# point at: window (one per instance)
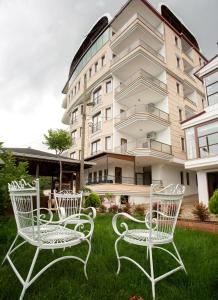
(109, 86)
(183, 144)
(176, 41)
(108, 143)
(180, 115)
(95, 147)
(178, 88)
(95, 177)
(190, 143)
(181, 178)
(100, 176)
(81, 109)
(90, 72)
(74, 116)
(96, 122)
(96, 67)
(78, 85)
(85, 78)
(108, 113)
(178, 62)
(73, 155)
(208, 139)
(75, 90)
(73, 134)
(187, 179)
(80, 131)
(90, 178)
(211, 82)
(97, 96)
(103, 60)
(105, 175)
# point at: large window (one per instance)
(211, 82)
(95, 147)
(190, 143)
(109, 86)
(108, 114)
(97, 96)
(74, 116)
(108, 145)
(74, 135)
(208, 139)
(96, 122)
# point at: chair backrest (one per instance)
(165, 204)
(68, 203)
(23, 195)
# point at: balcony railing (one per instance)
(189, 75)
(131, 20)
(208, 145)
(138, 43)
(141, 73)
(142, 109)
(191, 101)
(96, 127)
(145, 144)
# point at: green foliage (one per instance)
(10, 171)
(45, 183)
(213, 203)
(140, 209)
(109, 196)
(58, 140)
(93, 200)
(201, 212)
(86, 189)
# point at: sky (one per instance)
(38, 41)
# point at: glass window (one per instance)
(176, 41)
(74, 116)
(103, 60)
(109, 86)
(96, 122)
(211, 78)
(208, 139)
(180, 115)
(212, 89)
(213, 99)
(183, 144)
(177, 62)
(95, 147)
(190, 143)
(73, 155)
(96, 67)
(207, 129)
(108, 113)
(181, 178)
(187, 179)
(177, 87)
(108, 145)
(97, 96)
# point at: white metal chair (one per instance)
(68, 204)
(34, 228)
(157, 230)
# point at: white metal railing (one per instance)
(131, 20)
(143, 108)
(96, 127)
(147, 144)
(141, 73)
(191, 101)
(136, 44)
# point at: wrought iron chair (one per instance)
(157, 231)
(69, 204)
(36, 229)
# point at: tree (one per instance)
(58, 140)
(10, 171)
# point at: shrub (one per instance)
(85, 189)
(102, 208)
(140, 209)
(201, 212)
(213, 203)
(126, 208)
(93, 200)
(114, 209)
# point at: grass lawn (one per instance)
(66, 280)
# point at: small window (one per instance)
(176, 41)
(180, 115)
(85, 78)
(75, 90)
(105, 175)
(73, 155)
(81, 109)
(200, 61)
(103, 60)
(178, 88)
(80, 131)
(96, 67)
(108, 113)
(90, 178)
(187, 178)
(178, 62)
(109, 86)
(183, 143)
(100, 176)
(181, 178)
(108, 143)
(78, 85)
(90, 72)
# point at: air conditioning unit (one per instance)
(152, 135)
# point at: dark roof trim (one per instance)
(101, 154)
(200, 78)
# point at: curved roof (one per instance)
(99, 26)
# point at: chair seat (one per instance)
(141, 237)
(53, 236)
(76, 221)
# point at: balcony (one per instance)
(143, 147)
(188, 69)
(141, 119)
(137, 21)
(96, 127)
(140, 85)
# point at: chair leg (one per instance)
(8, 253)
(117, 254)
(152, 271)
(87, 257)
(26, 283)
(147, 253)
(179, 257)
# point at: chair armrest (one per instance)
(88, 219)
(92, 212)
(123, 224)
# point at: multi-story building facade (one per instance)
(137, 72)
(201, 133)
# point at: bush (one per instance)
(140, 209)
(213, 203)
(114, 209)
(126, 208)
(201, 212)
(93, 200)
(102, 208)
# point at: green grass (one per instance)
(65, 280)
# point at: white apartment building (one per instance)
(138, 68)
(202, 135)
